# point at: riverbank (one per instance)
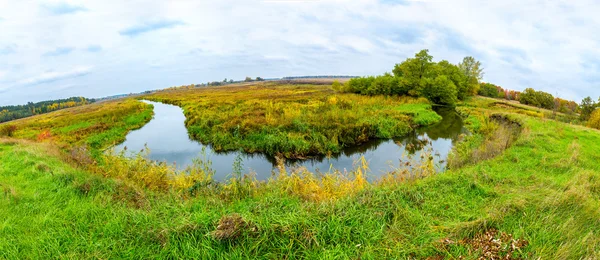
(538, 198)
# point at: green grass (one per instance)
(544, 189)
(98, 125)
(422, 113)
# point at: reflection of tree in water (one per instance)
(450, 127)
(371, 145)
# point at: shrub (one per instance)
(488, 90)
(8, 130)
(594, 121)
(537, 98)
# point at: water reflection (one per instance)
(167, 138)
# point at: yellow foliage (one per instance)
(329, 186)
(594, 121)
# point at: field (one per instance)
(97, 126)
(293, 121)
(538, 197)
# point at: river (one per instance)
(167, 140)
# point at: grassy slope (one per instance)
(97, 125)
(544, 189)
(293, 120)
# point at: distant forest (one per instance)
(8, 113)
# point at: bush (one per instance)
(337, 86)
(8, 130)
(594, 121)
(537, 98)
(488, 90)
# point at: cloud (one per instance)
(7, 50)
(150, 26)
(50, 77)
(59, 51)
(63, 8)
(94, 48)
(518, 45)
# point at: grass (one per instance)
(540, 194)
(293, 121)
(96, 126)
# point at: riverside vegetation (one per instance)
(522, 185)
(539, 197)
(293, 121)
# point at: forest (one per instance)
(9, 113)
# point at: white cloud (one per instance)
(546, 45)
(53, 76)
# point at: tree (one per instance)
(259, 79)
(248, 79)
(594, 120)
(383, 85)
(473, 72)
(415, 71)
(537, 98)
(453, 73)
(587, 107)
(528, 97)
(441, 90)
(488, 90)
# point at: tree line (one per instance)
(440, 82)
(530, 97)
(8, 113)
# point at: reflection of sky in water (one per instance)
(168, 140)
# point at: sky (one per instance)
(58, 49)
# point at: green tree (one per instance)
(383, 85)
(488, 90)
(587, 107)
(528, 97)
(454, 74)
(473, 71)
(415, 71)
(441, 90)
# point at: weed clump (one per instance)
(232, 227)
(496, 245)
(42, 167)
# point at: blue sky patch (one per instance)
(150, 26)
(63, 8)
(60, 51)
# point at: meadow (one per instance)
(521, 186)
(93, 127)
(293, 121)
